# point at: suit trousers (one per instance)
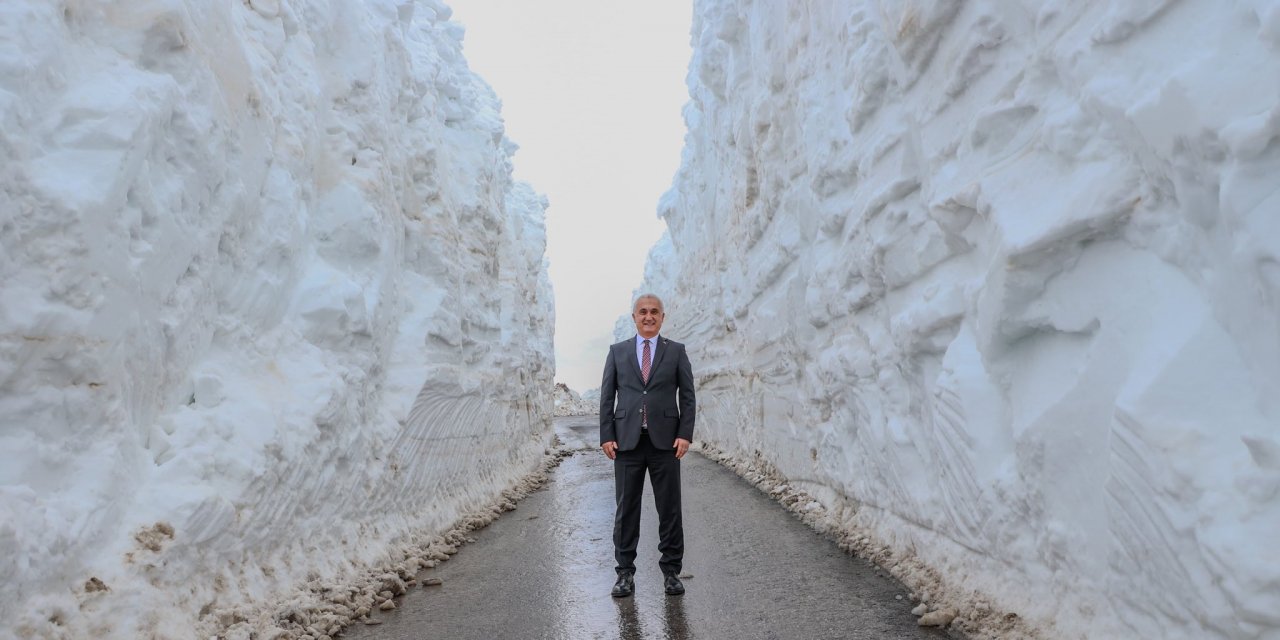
(629, 469)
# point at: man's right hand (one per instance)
(610, 449)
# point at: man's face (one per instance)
(648, 316)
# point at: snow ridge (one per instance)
(998, 282)
(269, 302)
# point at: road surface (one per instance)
(545, 570)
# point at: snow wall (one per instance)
(269, 303)
(999, 282)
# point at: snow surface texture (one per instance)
(569, 403)
(270, 301)
(1003, 278)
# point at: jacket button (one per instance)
(644, 393)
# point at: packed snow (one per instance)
(569, 403)
(270, 302)
(999, 284)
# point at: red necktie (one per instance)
(645, 362)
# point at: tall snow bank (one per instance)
(269, 301)
(1000, 283)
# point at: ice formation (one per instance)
(1000, 283)
(269, 301)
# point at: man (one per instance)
(649, 429)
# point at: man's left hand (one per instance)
(682, 447)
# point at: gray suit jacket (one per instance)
(668, 396)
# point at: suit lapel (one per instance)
(657, 358)
(635, 364)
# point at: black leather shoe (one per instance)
(673, 585)
(624, 587)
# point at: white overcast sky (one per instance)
(591, 91)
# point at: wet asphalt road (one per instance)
(545, 570)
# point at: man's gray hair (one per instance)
(648, 296)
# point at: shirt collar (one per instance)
(653, 342)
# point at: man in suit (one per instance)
(648, 429)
